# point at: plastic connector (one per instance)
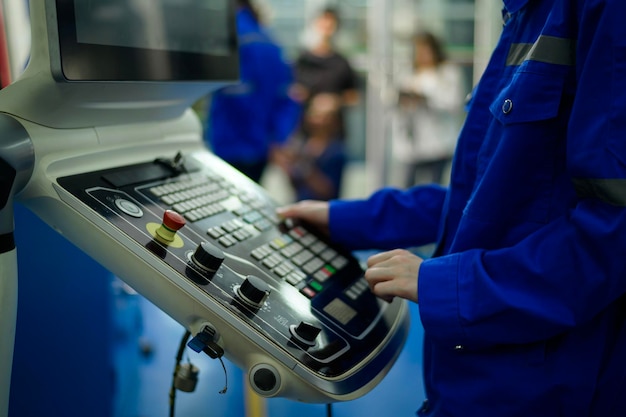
(200, 341)
(213, 350)
(205, 342)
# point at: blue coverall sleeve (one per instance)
(389, 219)
(572, 268)
(273, 77)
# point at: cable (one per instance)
(186, 377)
(215, 351)
(329, 410)
(223, 391)
(179, 358)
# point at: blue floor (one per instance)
(144, 382)
(62, 364)
(145, 354)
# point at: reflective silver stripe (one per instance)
(612, 191)
(548, 49)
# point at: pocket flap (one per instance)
(529, 97)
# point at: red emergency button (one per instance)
(172, 222)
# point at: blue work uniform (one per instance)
(245, 119)
(523, 303)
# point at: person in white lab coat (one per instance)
(428, 114)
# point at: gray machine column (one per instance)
(16, 166)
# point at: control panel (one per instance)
(283, 301)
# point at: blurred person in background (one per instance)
(427, 118)
(248, 119)
(321, 68)
(315, 163)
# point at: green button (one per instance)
(316, 286)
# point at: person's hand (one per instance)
(311, 211)
(394, 274)
(283, 158)
(299, 92)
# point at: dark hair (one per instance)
(330, 10)
(433, 43)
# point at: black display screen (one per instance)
(147, 40)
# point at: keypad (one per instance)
(297, 256)
(201, 196)
(301, 259)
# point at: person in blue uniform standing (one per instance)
(523, 302)
(247, 119)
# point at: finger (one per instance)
(311, 211)
(376, 277)
(382, 257)
(287, 211)
(379, 273)
(384, 291)
(394, 274)
(300, 209)
(389, 289)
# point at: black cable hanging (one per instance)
(179, 358)
(223, 391)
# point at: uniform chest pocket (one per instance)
(523, 150)
(529, 97)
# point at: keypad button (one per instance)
(227, 241)
(328, 254)
(313, 265)
(216, 232)
(308, 292)
(301, 258)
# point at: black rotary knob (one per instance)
(253, 291)
(208, 257)
(305, 333)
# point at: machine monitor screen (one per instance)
(147, 40)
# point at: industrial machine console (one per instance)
(277, 294)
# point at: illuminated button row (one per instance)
(305, 238)
(254, 217)
(298, 255)
(323, 274)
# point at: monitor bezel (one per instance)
(92, 62)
